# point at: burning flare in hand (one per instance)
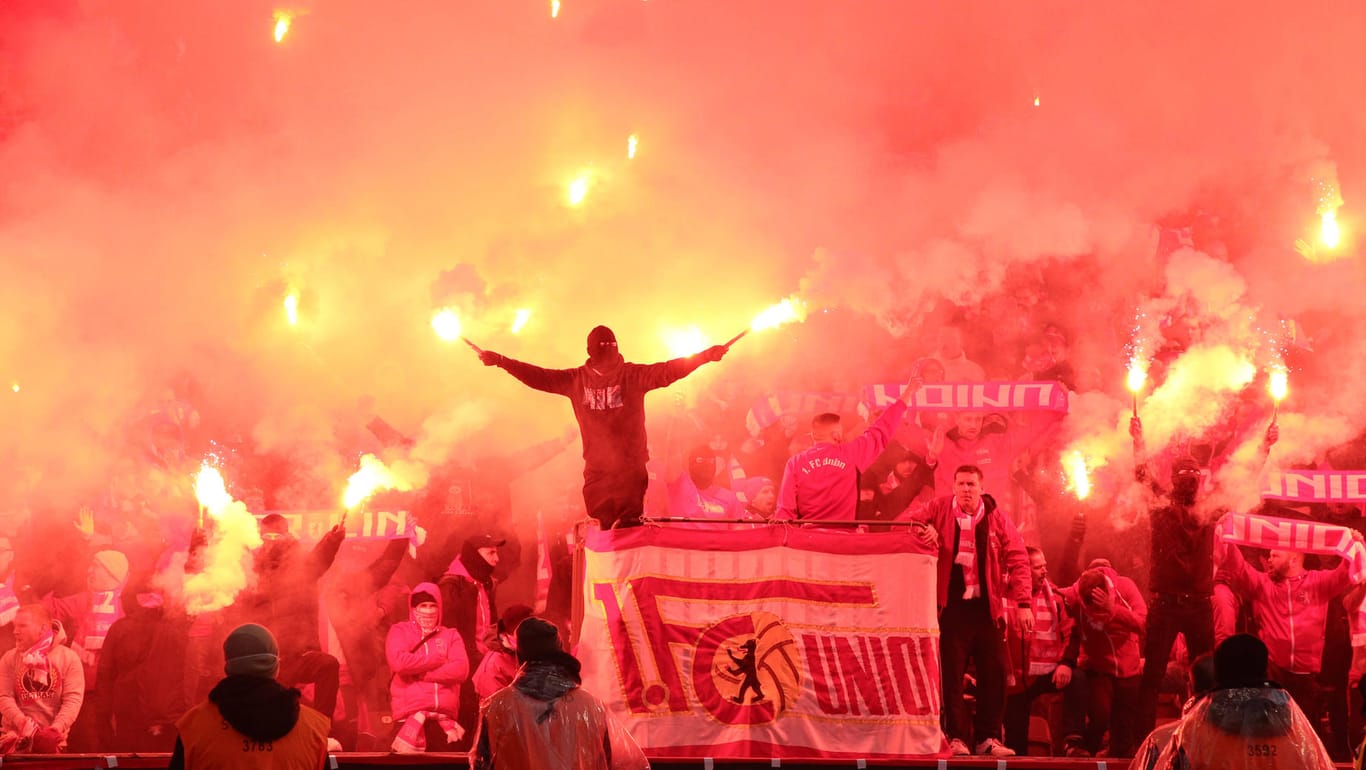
(447, 324)
(282, 22)
(211, 491)
(373, 476)
(1078, 478)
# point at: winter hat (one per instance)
(1240, 661)
(250, 650)
(513, 617)
(115, 563)
(420, 597)
(537, 639)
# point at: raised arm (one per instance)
(1142, 472)
(555, 381)
(868, 445)
(666, 373)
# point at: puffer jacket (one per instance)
(428, 669)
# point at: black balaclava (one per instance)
(1185, 480)
(602, 345)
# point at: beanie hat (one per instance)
(537, 639)
(250, 650)
(115, 563)
(420, 597)
(513, 617)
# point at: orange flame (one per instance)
(519, 322)
(211, 491)
(372, 477)
(1330, 235)
(1078, 478)
(554, 9)
(788, 311)
(292, 308)
(446, 324)
(632, 142)
(1279, 383)
(1137, 376)
(578, 188)
(282, 22)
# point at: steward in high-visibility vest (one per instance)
(250, 720)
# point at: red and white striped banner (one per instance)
(1316, 486)
(773, 642)
(974, 396)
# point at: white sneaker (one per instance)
(959, 749)
(994, 748)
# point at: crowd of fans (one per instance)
(1066, 628)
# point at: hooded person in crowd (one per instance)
(251, 720)
(429, 666)
(141, 691)
(469, 605)
(608, 396)
(1246, 722)
(545, 719)
(499, 667)
(42, 686)
(286, 599)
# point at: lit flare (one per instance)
(373, 476)
(578, 188)
(292, 308)
(519, 321)
(211, 491)
(446, 324)
(1279, 383)
(632, 142)
(282, 21)
(554, 9)
(788, 311)
(685, 341)
(1078, 475)
(1330, 235)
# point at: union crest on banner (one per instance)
(770, 642)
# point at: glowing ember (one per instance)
(15, 387)
(447, 324)
(578, 189)
(554, 9)
(785, 312)
(1279, 383)
(210, 490)
(1137, 376)
(1036, 101)
(282, 22)
(292, 308)
(1078, 480)
(519, 322)
(685, 341)
(1329, 233)
(632, 142)
(372, 477)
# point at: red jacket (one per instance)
(1008, 580)
(821, 483)
(1292, 615)
(428, 671)
(1108, 644)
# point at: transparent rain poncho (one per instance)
(545, 722)
(1245, 728)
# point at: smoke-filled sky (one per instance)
(169, 173)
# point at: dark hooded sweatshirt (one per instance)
(461, 609)
(263, 714)
(609, 403)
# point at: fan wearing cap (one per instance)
(1181, 560)
(429, 664)
(545, 719)
(499, 667)
(608, 397)
(250, 720)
